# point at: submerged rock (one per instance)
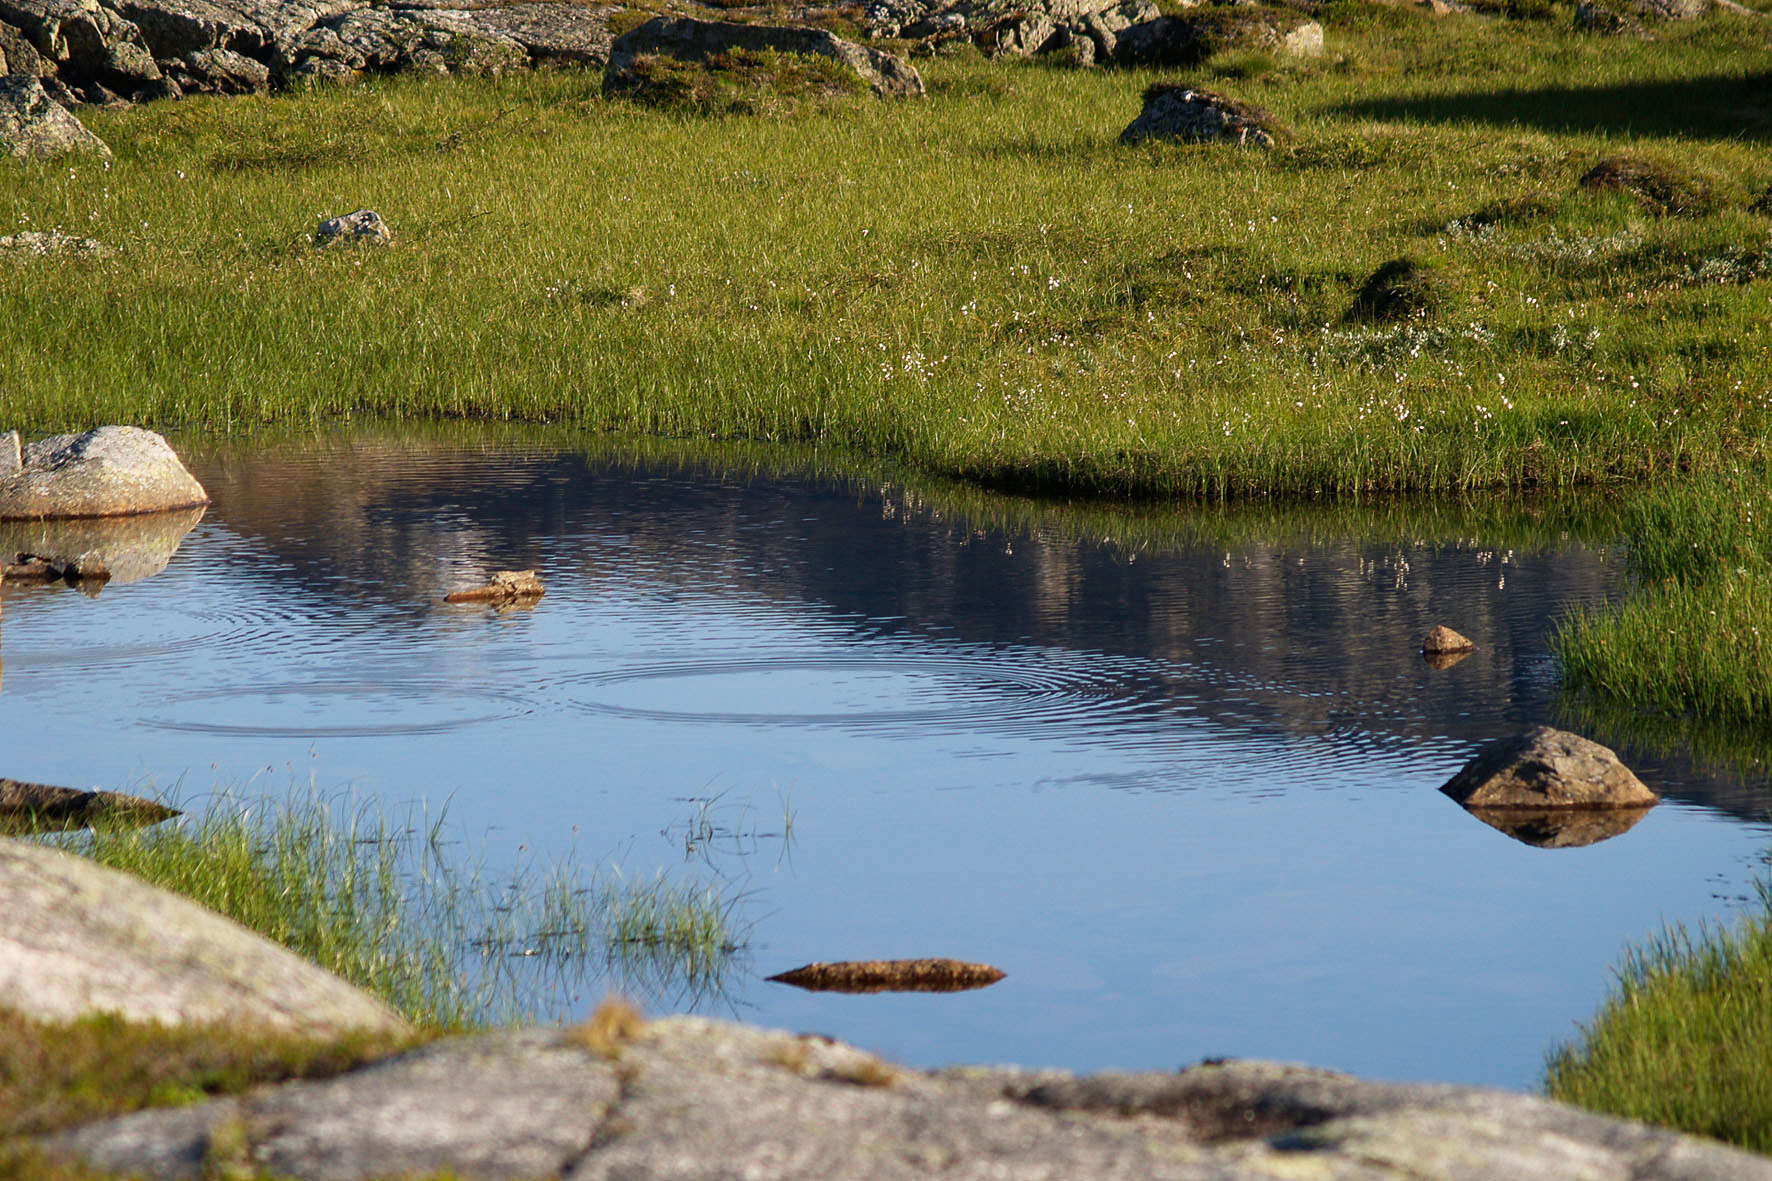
(34, 127)
(112, 471)
(925, 975)
(77, 939)
(688, 1097)
(1547, 768)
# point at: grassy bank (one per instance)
(983, 283)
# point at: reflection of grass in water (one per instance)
(1684, 1037)
(374, 898)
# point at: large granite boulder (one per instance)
(1547, 768)
(686, 39)
(34, 127)
(113, 471)
(1181, 112)
(691, 1098)
(77, 938)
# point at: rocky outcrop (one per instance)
(77, 939)
(1180, 112)
(1004, 28)
(34, 127)
(1546, 768)
(685, 39)
(112, 471)
(693, 1098)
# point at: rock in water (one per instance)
(77, 939)
(1443, 639)
(1547, 768)
(34, 127)
(926, 975)
(1173, 111)
(38, 807)
(113, 471)
(506, 586)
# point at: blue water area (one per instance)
(1174, 771)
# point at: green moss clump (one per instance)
(1401, 289)
(1659, 187)
(742, 82)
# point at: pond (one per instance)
(1175, 772)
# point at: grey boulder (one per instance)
(112, 471)
(34, 127)
(1547, 768)
(691, 40)
(365, 227)
(691, 1098)
(1179, 112)
(77, 939)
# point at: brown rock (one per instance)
(1547, 768)
(506, 586)
(927, 975)
(1443, 639)
(38, 807)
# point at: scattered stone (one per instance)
(1181, 112)
(362, 228)
(91, 47)
(34, 127)
(927, 975)
(1443, 639)
(685, 39)
(47, 244)
(505, 586)
(687, 1097)
(1194, 36)
(1401, 289)
(1660, 189)
(1561, 828)
(108, 472)
(1547, 768)
(39, 807)
(78, 939)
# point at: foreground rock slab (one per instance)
(692, 1098)
(1547, 768)
(78, 939)
(113, 471)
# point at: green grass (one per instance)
(1684, 1038)
(983, 283)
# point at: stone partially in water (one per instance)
(924, 975)
(1547, 768)
(77, 939)
(113, 471)
(1443, 640)
(506, 586)
(39, 807)
(1561, 828)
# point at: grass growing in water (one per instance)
(1684, 1038)
(379, 901)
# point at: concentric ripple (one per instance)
(340, 709)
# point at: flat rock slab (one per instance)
(1547, 768)
(42, 807)
(692, 1098)
(113, 471)
(77, 938)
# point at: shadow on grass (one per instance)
(1722, 107)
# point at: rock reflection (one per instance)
(132, 548)
(1442, 660)
(1561, 828)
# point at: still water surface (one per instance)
(1175, 774)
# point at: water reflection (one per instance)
(1173, 771)
(132, 548)
(1560, 828)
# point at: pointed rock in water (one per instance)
(1547, 768)
(925, 975)
(113, 471)
(1443, 640)
(33, 126)
(78, 939)
(39, 807)
(506, 586)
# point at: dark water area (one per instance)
(1174, 772)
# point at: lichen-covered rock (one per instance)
(51, 244)
(690, 40)
(552, 34)
(1181, 112)
(19, 56)
(365, 227)
(92, 47)
(112, 471)
(77, 939)
(386, 40)
(1547, 768)
(1012, 28)
(34, 127)
(218, 71)
(690, 1098)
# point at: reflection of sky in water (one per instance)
(1187, 803)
